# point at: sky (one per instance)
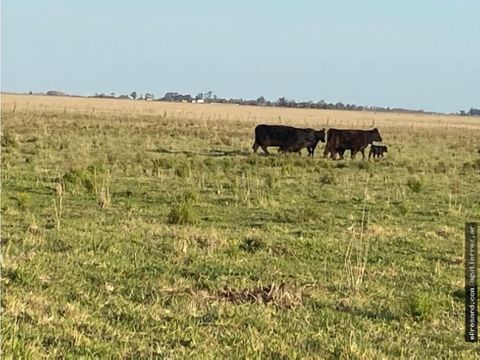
(411, 54)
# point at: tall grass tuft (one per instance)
(356, 256)
(104, 198)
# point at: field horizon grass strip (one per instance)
(137, 235)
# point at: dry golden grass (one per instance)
(225, 112)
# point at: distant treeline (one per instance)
(471, 112)
(209, 97)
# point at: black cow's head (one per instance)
(320, 135)
(375, 135)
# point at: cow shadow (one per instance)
(220, 153)
(375, 315)
(173, 152)
(209, 153)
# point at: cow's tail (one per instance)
(256, 143)
(327, 139)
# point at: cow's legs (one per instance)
(363, 154)
(255, 147)
(264, 148)
(325, 151)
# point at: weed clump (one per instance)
(182, 214)
(75, 178)
(183, 171)
(415, 184)
(327, 179)
(8, 140)
(363, 165)
(252, 244)
(271, 181)
(23, 201)
(473, 165)
(421, 306)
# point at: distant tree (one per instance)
(474, 112)
(199, 96)
(148, 96)
(261, 101)
(133, 95)
(112, 94)
(208, 95)
(282, 101)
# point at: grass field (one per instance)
(147, 230)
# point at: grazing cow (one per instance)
(287, 138)
(377, 151)
(339, 140)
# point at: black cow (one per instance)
(287, 138)
(377, 151)
(340, 140)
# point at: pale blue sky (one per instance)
(409, 53)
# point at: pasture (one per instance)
(145, 230)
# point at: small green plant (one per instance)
(23, 200)
(271, 181)
(78, 178)
(182, 213)
(415, 184)
(252, 244)
(183, 171)
(363, 165)
(421, 306)
(327, 178)
(9, 140)
(190, 196)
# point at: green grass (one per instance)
(134, 237)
